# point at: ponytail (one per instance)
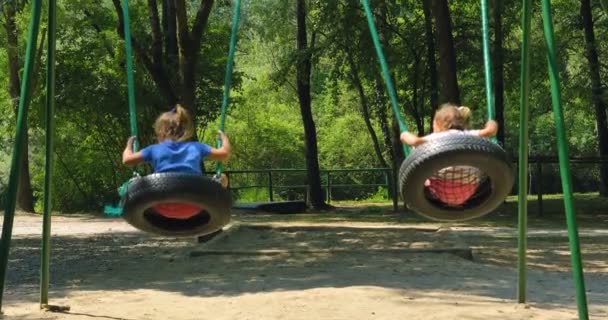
(176, 125)
(184, 122)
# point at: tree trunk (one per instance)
(430, 58)
(189, 42)
(303, 70)
(172, 57)
(417, 113)
(381, 106)
(157, 72)
(169, 33)
(384, 35)
(498, 71)
(447, 53)
(188, 97)
(397, 145)
(597, 92)
(25, 197)
(365, 108)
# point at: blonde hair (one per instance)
(174, 125)
(450, 116)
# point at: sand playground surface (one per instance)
(269, 268)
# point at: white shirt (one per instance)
(460, 174)
(437, 135)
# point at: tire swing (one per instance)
(472, 176)
(177, 204)
(457, 177)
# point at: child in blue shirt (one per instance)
(174, 151)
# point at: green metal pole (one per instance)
(385, 71)
(24, 101)
(562, 148)
(524, 116)
(130, 79)
(236, 16)
(50, 129)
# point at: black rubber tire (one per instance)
(143, 193)
(456, 150)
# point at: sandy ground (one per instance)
(104, 269)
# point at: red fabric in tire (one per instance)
(452, 193)
(177, 210)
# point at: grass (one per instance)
(591, 209)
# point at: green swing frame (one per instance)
(562, 145)
(524, 115)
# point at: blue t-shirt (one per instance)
(171, 156)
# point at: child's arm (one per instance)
(223, 153)
(129, 157)
(489, 130)
(411, 139)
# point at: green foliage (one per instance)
(381, 195)
(253, 195)
(264, 120)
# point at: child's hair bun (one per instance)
(465, 114)
(452, 116)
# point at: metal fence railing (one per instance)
(274, 181)
(356, 183)
(542, 167)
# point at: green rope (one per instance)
(487, 59)
(110, 209)
(385, 71)
(487, 62)
(228, 77)
(130, 80)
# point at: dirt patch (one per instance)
(104, 269)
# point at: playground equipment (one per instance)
(464, 155)
(523, 143)
(426, 161)
(176, 204)
(562, 144)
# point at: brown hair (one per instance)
(174, 125)
(450, 116)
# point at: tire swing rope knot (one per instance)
(176, 204)
(456, 178)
